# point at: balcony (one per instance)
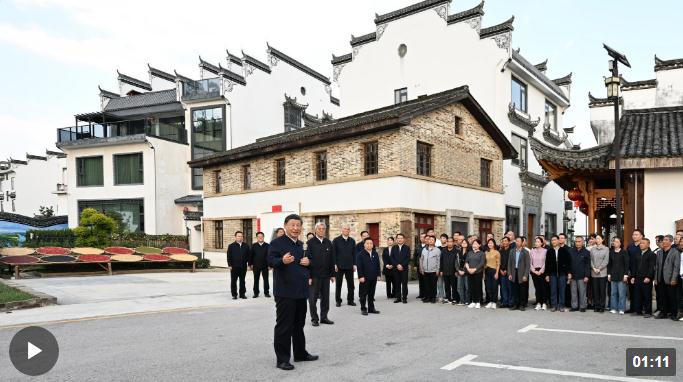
(151, 127)
(202, 90)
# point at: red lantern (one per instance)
(574, 194)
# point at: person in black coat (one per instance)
(579, 273)
(642, 275)
(400, 260)
(449, 257)
(258, 262)
(319, 251)
(290, 278)
(368, 272)
(416, 262)
(344, 252)
(556, 269)
(388, 268)
(238, 259)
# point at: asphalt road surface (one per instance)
(411, 342)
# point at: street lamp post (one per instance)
(613, 84)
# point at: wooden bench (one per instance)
(107, 266)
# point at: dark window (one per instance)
(130, 213)
(371, 158)
(457, 128)
(321, 165)
(512, 219)
(208, 137)
(519, 95)
(280, 172)
(248, 231)
(293, 116)
(89, 172)
(485, 173)
(520, 145)
(218, 234)
(128, 169)
(424, 159)
(400, 95)
(550, 116)
(218, 179)
(326, 220)
(550, 225)
(485, 228)
(246, 177)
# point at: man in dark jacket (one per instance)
(400, 260)
(416, 263)
(505, 286)
(238, 258)
(519, 267)
(579, 271)
(388, 268)
(633, 251)
(368, 273)
(359, 243)
(319, 252)
(556, 270)
(668, 274)
(642, 276)
(258, 262)
(290, 279)
(344, 253)
(449, 256)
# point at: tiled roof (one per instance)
(189, 199)
(344, 58)
(141, 100)
(467, 14)
(298, 65)
(334, 100)
(598, 102)
(255, 63)
(562, 81)
(652, 133)
(35, 157)
(364, 123)
(232, 76)
(107, 93)
(38, 222)
(675, 63)
(505, 26)
(366, 38)
(637, 85)
(409, 10)
(537, 73)
(208, 66)
(234, 59)
(57, 154)
(133, 81)
(182, 78)
(542, 66)
(161, 74)
(592, 159)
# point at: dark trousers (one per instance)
(642, 297)
(389, 281)
(450, 286)
(320, 289)
(660, 292)
(505, 290)
(430, 280)
(599, 292)
(540, 288)
(520, 294)
(366, 293)
(475, 287)
(258, 273)
(672, 297)
(631, 295)
(341, 274)
(238, 274)
(421, 284)
(491, 285)
(401, 284)
(289, 328)
(558, 285)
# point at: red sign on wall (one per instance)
(276, 208)
(258, 224)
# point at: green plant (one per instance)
(46, 212)
(203, 263)
(8, 240)
(95, 229)
(47, 238)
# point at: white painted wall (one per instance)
(639, 99)
(662, 198)
(35, 184)
(669, 89)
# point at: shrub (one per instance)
(48, 238)
(95, 229)
(203, 263)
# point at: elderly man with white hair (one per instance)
(319, 252)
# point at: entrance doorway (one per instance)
(531, 223)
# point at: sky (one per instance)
(54, 53)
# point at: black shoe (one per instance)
(419, 297)
(397, 301)
(309, 357)
(255, 296)
(234, 297)
(351, 303)
(285, 366)
(573, 309)
(243, 297)
(405, 301)
(364, 312)
(374, 311)
(522, 308)
(425, 300)
(582, 310)
(267, 295)
(326, 321)
(629, 311)
(514, 307)
(647, 315)
(338, 304)
(315, 323)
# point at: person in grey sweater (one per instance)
(599, 262)
(474, 264)
(430, 263)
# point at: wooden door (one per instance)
(485, 228)
(423, 223)
(531, 223)
(373, 229)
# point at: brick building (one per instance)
(436, 161)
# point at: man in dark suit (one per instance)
(344, 254)
(388, 268)
(319, 252)
(258, 262)
(557, 263)
(290, 279)
(519, 266)
(400, 260)
(238, 258)
(634, 252)
(368, 273)
(642, 276)
(359, 243)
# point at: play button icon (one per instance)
(33, 351)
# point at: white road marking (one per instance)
(535, 327)
(468, 360)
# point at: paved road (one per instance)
(233, 341)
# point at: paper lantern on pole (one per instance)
(574, 194)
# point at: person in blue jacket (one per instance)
(291, 280)
(367, 266)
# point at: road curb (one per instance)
(39, 299)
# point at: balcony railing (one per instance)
(202, 89)
(173, 132)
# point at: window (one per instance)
(89, 172)
(550, 225)
(550, 116)
(485, 228)
(326, 221)
(246, 177)
(485, 173)
(519, 95)
(371, 158)
(218, 181)
(129, 212)
(457, 128)
(321, 165)
(400, 95)
(128, 169)
(520, 145)
(424, 159)
(208, 137)
(512, 219)
(280, 172)
(218, 234)
(293, 116)
(248, 231)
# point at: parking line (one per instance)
(468, 360)
(531, 327)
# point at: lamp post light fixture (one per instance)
(612, 84)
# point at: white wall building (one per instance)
(425, 49)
